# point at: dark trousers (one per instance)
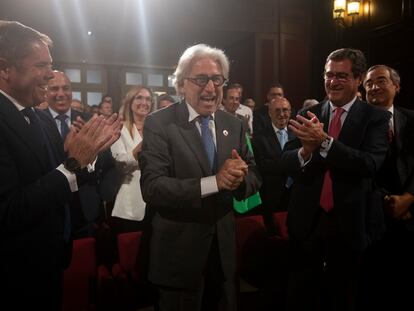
(389, 270)
(324, 271)
(211, 293)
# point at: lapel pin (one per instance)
(225, 133)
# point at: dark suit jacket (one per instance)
(353, 161)
(89, 197)
(396, 176)
(261, 120)
(172, 163)
(404, 141)
(32, 198)
(268, 152)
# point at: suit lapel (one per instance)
(53, 136)
(325, 114)
(400, 121)
(192, 137)
(223, 133)
(17, 122)
(352, 125)
(274, 140)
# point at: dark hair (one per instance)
(275, 84)
(357, 58)
(166, 97)
(16, 41)
(235, 86)
(106, 95)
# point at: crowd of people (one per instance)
(343, 169)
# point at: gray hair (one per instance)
(16, 41)
(196, 52)
(394, 75)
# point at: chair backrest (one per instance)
(128, 248)
(80, 276)
(248, 229)
(280, 219)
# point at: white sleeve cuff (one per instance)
(91, 166)
(302, 160)
(208, 186)
(324, 151)
(71, 177)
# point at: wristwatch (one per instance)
(325, 143)
(72, 165)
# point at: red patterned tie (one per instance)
(326, 199)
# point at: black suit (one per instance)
(391, 261)
(88, 199)
(32, 198)
(336, 238)
(186, 226)
(274, 192)
(261, 120)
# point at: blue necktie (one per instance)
(282, 138)
(64, 128)
(208, 141)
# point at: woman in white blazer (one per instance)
(129, 208)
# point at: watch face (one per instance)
(72, 164)
(325, 143)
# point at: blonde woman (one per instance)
(129, 208)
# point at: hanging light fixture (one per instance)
(339, 8)
(353, 7)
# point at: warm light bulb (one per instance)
(353, 8)
(339, 6)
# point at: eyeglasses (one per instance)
(142, 98)
(340, 76)
(381, 82)
(281, 110)
(202, 81)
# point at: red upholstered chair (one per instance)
(80, 277)
(251, 239)
(128, 247)
(262, 264)
(280, 219)
(132, 290)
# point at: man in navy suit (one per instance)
(268, 149)
(392, 260)
(88, 204)
(34, 187)
(335, 209)
(194, 160)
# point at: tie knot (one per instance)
(339, 111)
(62, 117)
(205, 120)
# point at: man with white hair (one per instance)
(194, 160)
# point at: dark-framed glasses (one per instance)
(340, 76)
(202, 80)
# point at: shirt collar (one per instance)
(13, 100)
(55, 114)
(391, 110)
(192, 114)
(345, 107)
(278, 129)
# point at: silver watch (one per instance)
(325, 142)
